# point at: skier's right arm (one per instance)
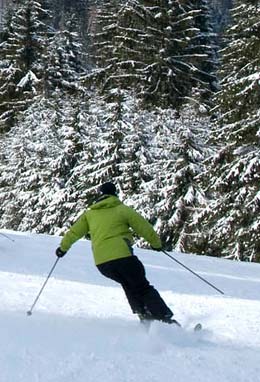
(79, 229)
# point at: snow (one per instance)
(30, 76)
(82, 329)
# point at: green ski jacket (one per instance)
(110, 223)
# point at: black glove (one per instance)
(60, 253)
(157, 249)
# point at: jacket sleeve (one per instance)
(77, 231)
(143, 228)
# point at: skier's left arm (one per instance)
(143, 228)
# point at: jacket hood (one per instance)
(106, 201)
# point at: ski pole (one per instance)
(29, 313)
(7, 237)
(194, 273)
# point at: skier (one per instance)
(109, 223)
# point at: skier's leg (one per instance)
(143, 298)
(135, 303)
(110, 270)
(153, 302)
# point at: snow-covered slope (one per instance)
(82, 329)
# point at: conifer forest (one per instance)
(162, 97)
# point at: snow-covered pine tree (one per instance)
(80, 10)
(25, 167)
(6, 19)
(20, 57)
(148, 46)
(204, 44)
(63, 64)
(87, 120)
(35, 59)
(76, 8)
(180, 196)
(73, 45)
(59, 199)
(103, 30)
(159, 127)
(36, 190)
(136, 147)
(106, 166)
(233, 219)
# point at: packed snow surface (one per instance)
(82, 329)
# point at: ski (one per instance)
(196, 328)
(147, 323)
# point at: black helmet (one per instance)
(108, 188)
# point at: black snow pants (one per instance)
(142, 297)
